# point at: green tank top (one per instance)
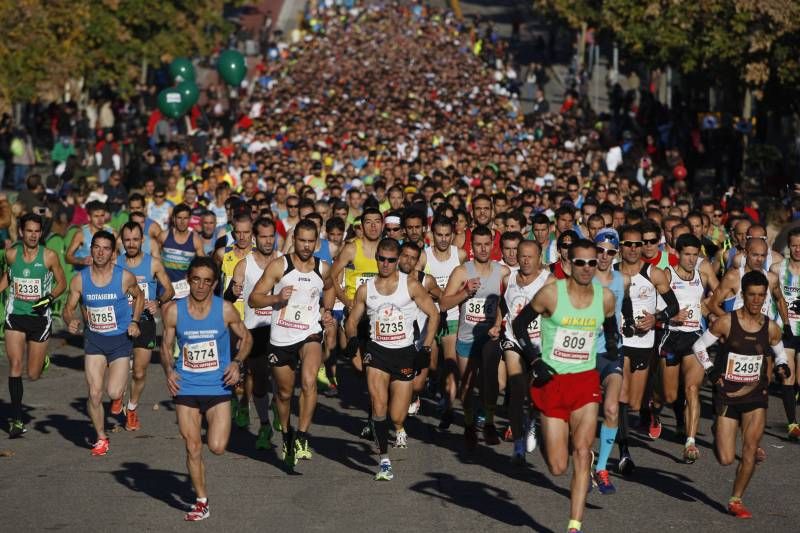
(569, 336)
(27, 283)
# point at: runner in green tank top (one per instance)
(31, 271)
(565, 383)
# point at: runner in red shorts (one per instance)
(565, 384)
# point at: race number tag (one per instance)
(743, 368)
(298, 313)
(181, 288)
(693, 318)
(573, 346)
(263, 311)
(389, 325)
(201, 356)
(363, 278)
(102, 318)
(145, 290)
(27, 289)
(479, 309)
(534, 330)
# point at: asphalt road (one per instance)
(51, 481)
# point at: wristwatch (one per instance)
(241, 365)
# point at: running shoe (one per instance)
(761, 455)
(301, 449)
(490, 435)
(794, 431)
(470, 437)
(366, 431)
(100, 447)
(16, 429)
(508, 435)
(690, 454)
(322, 378)
(199, 512)
(625, 466)
(288, 455)
(401, 439)
(737, 509)
(518, 456)
(264, 439)
(116, 406)
(480, 418)
(654, 431)
(276, 421)
(243, 416)
(332, 391)
(446, 419)
(385, 473)
(414, 406)
(603, 482)
(530, 439)
(46, 363)
(132, 421)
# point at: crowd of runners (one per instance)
(382, 207)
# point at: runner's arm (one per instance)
(781, 358)
(610, 326)
(234, 323)
(434, 291)
(425, 303)
(161, 275)
(198, 245)
(777, 297)
(455, 292)
(700, 347)
(75, 243)
(52, 262)
(131, 288)
(661, 282)
(261, 297)
(236, 280)
(346, 255)
(75, 287)
(351, 324)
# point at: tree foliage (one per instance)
(45, 42)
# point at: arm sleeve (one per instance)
(700, 348)
(611, 332)
(520, 324)
(780, 354)
(672, 307)
(627, 309)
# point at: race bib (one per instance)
(794, 322)
(27, 289)
(201, 356)
(297, 314)
(573, 346)
(479, 309)
(145, 288)
(363, 278)
(102, 318)
(181, 288)
(534, 330)
(693, 319)
(264, 311)
(743, 368)
(389, 325)
(441, 281)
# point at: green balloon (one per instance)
(181, 69)
(232, 67)
(171, 102)
(189, 93)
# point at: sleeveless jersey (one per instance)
(569, 335)
(27, 283)
(295, 320)
(391, 317)
(144, 277)
(229, 262)
(617, 287)
(790, 288)
(146, 247)
(254, 318)
(358, 271)
(107, 309)
(643, 296)
(477, 314)
(176, 258)
(742, 362)
(517, 297)
(441, 271)
(204, 350)
(324, 252)
(689, 295)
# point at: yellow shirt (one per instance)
(358, 271)
(229, 262)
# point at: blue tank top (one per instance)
(324, 253)
(176, 257)
(617, 287)
(146, 236)
(204, 351)
(108, 312)
(85, 249)
(144, 276)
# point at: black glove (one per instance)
(713, 374)
(628, 328)
(351, 348)
(787, 372)
(794, 307)
(41, 305)
(229, 295)
(423, 358)
(541, 373)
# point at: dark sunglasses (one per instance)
(565, 245)
(584, 262)
(393, 229)
(651, 241)
(292, 206)
(382, 259)
(610, 252)
(632, 244)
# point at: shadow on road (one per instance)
(61, 360)
(78, 432)
(674, 485)
(491, 502)
(172, 488)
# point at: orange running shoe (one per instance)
(116, 406)
(132, 421)
(100, 447)
(737, 509)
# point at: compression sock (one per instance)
(15, 391)
(489, 413)
(380, 428)
(789, 403)
(516, 388)
(623, 426)
(679, 406)
(607, 437)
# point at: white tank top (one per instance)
(391, 318)
(689, 295)
(254, 318)
(643, 296)
(517, 297)
(441, 271)
(298, 318)
(768, 307)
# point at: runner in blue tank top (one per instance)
(103, 289)
(201, 379)
(179, 246)
(78, 252)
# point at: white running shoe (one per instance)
(413, 407)
(530, 439)
(401, 439)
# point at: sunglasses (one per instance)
(651, 241)
(392, 230)
(382, 259)
(572, 190)
(584, 262)
(610, 252)
(292, 206)
(565, 245)
(632, 244)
